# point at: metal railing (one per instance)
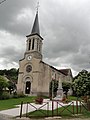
(55, 107)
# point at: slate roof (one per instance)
(66, 71)
(35, 28)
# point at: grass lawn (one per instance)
(73, 98)
(10, 103)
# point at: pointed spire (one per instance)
(35, 28)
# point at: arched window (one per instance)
(29, 47)
(40, 46)
(37, 45)
(33, 44)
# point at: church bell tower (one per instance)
(29, 66)
(34, 42)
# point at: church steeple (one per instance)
(35, 28)
(34, 40)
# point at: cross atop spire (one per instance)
(37, 7)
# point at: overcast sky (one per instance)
(64, 25)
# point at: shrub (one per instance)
(15, 95)
(39, 100)
(85, 98)
(65, 100)
(21, 95)
(5, 95)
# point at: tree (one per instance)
(12, 87)
(11, 74)
(53, 88)
(81, 83)
(66, 86)
(3, 84)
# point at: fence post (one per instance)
(57, 108)
(27, 109)
(88, 105)
(73, 107)
(47, 109)
(52, 107)
(80, 106)
(76, 107)
(21, 109)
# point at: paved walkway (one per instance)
(5, 117)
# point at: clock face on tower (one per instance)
(29, 57)
(28, 68)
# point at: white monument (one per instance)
(59, 91)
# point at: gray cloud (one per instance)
(11, 55)
(70, 30)
(64, 25)
(9, 12)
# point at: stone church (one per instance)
(35, 75)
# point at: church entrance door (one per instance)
(28, 87)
